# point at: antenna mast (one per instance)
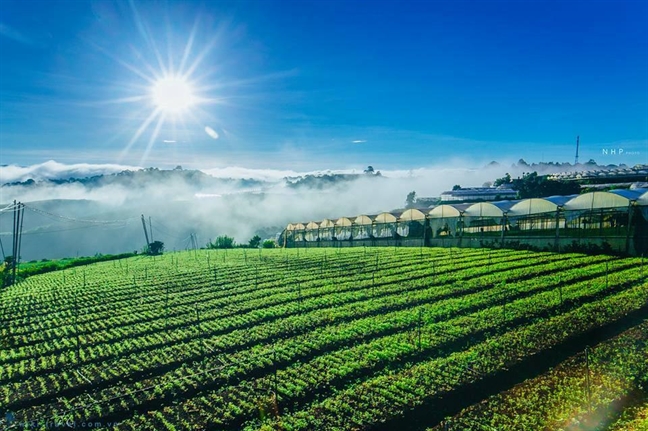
(577, 145)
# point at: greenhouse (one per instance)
(411, 224)
(615, 220)
(311, 232)
(326, 230)
(362, 227)
(343, 228)
(384, 225)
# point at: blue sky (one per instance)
(325, 84)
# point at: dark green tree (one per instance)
(532, 185)
(222, 241)
(506, 179)
(156, 247)
(255, 241)
(269, 243)
(411, 198)
(456, 187)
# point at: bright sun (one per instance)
(173, 94)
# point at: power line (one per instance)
(158, 223)
(36, 231)
(62, 217)
(9, 208)
(167, 234)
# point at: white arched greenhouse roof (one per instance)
(312, 226)
(327, 223)
(363, 220)
(488, 209)
(385, 218)
(295, 226)
(532, 206)
(412, 215)
(597, 200)
(343, 221)
(445, 211)
(643, 199)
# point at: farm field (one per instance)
(304, 339)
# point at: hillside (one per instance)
(310, 339)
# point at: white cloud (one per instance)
(359, 141)
(56, 170)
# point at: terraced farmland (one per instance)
(375, 338)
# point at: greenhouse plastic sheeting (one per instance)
(444, 211)
(597, 200)
(363, 220)
(385, 218)
(488, 209)
(532, 206)
(411, 215)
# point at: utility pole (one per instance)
(14, 242)
(19, 210)
(145, 233)
(577, 145)
(22, 219)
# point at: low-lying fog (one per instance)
(232, 201)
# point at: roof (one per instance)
(643, 199)
(597, 200)
(412, 214)
(446, 210)
(532, 206)
(488, 209)
(385, 218)
(343, 221)
(327, 223)
(632, 195)
(362, 220)
(480, 191)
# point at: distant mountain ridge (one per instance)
(545, 168)
(142, 177)
(199, 180)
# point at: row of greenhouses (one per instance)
(618, 213)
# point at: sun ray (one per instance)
(139, 132)
(247, 81)
(131, 99)
(154, 136)
(188, 46)
(123, 63)
(177, 83)
(146, 35)
(201, 56)
(154, 73)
